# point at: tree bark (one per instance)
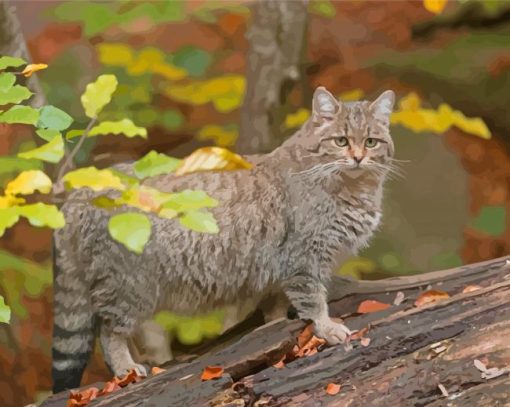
(417, 356)
(276, 46)
(12, 43)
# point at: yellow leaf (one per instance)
(212, 158)
(28, 182)
(52, 152)
(222, 136)
(115, 54)
(98, 94)
(31, 68)
(473, 125)
(169, 71)
(297, 119)
(91, 177)
(225, 92)
(412, 116)
(410, 102)
(435, 6)
(352, 95)
(9, 200)
(124, 126)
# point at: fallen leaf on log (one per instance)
(368, 306)
(82, 398)
(212, 372)
(130, 377)
(305, 335)
(310, 348)
(333, 389)
(365, 342)
(471, 288)
(281, 363)
(358, 335)
(157, 370)
(109, 387)
(431, 296)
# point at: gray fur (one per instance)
(284, 226)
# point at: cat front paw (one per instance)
(333, 332)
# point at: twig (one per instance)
(69, 159)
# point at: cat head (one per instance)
(355, 136)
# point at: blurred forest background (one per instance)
(201, 73)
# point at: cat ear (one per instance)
(383, 105)
(325, 105)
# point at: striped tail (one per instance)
(73, 326)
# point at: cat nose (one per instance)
(357, 159)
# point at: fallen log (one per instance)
(450, 352)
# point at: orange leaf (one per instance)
(471, 288)
(280, 364)
(368, 306)
(365, 342)
(333, 389)
(430, 296)
(130, 377)
(212, 372)
(109, 387)
(82, 398)
(31, 68)
(212, 158)
(358, 335)
(157, 370)
(305, 335)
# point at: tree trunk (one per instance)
(276, 47)
(416, 356)
(12, 43)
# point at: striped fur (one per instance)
(284, 225)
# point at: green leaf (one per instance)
(7, 79)
(7, 62)
(323, 8)
(133, 230)
(74, 133)
(5, 312)
(125, 127)
(199, 221)
(48, 134)
(190, 200)
(19, 276)
(51, 152)
(126, 179)
(8, 217)
(154, 163)
(20, 115)
(40, 214)
(194, 60)
(15, 164)
(91, 177)
(98, 94)
(15, 94)
(52, 117)
(171, 119)
(491, 220)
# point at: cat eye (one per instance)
(341, 141)
(371, 142)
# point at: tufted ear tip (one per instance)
(382, 107)
(324, 103)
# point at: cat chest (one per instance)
(352, 228)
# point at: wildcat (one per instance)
(284, 226)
